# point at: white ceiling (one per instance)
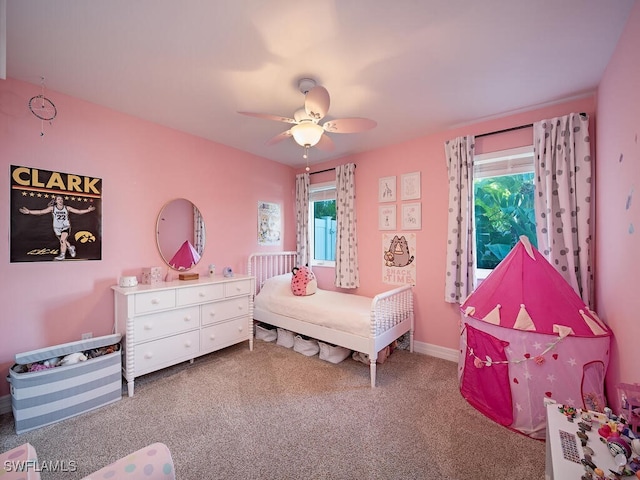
(414, 66)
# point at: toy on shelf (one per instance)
(630, 404)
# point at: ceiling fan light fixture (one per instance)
(307, 133)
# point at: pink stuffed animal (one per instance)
(303, 281)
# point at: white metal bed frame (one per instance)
(391, 312)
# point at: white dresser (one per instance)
(172, 322)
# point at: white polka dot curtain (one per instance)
(460, 255)
(302, 219)
(347, 274)
(199, 233)
(563, 170)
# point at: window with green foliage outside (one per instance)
(503, 191)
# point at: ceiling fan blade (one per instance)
(326, 144)
(316, 102)
(268, 116)
(349, 125)
(280, 137)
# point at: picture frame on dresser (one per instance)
(173, 322)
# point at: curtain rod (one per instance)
(505, 130)
(512, 128)
(327, 170)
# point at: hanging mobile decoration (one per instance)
(43, 108)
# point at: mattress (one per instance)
(338, 311)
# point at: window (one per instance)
(322, 224)
(503, 191)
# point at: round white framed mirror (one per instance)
(180, 234)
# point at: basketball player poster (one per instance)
(55, 216)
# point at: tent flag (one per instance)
(527, 246)
(493, 316)
(593, 325)
(595, 316)
(562, 330)
(524, 322)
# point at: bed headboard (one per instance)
(267, 265)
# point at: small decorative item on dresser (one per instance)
(212, 270)
(128, 281)
(227, 272)
(188, 276)
(151, 275)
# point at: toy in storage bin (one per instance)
(47, 396)
(630, 404)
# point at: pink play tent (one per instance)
(185, 258)
(526, 336)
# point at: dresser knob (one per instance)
(187, 343)
(240, 328)
(212, 337)
(212, 313)
(155, 301)
(148, 326)
(202, 294)
(148, 355)
(187, 318)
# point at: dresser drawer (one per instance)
(224, 334)
(241, 287)
(154, 301)
(160, 353)
(224, 310)
(148, 327)
(199, 294)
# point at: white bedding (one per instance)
(338, 311)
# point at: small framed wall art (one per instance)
(412, 216)
(410, 183)
(387, 189)
(387, 217)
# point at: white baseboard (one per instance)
(436, 351)
(5, 404)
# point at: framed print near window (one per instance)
(387, 189)
(412, 216)
(269, 223)
(387, 217)
(410, 184)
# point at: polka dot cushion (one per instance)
(153, 462)
(19, 463)
(303, 281)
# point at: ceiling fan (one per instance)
(306, 129)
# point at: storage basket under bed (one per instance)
(44, 397)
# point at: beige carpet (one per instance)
(276, 414)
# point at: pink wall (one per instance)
(142, 166)
(436, 321)
(618, 205)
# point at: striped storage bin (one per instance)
(44, 397)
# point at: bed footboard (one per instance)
(391, 316)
